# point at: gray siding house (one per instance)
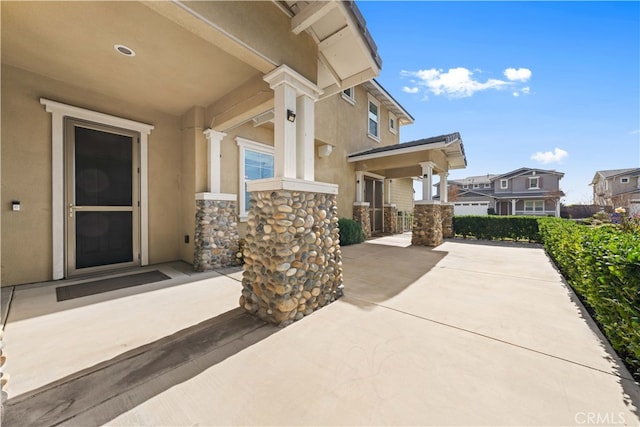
(524, 191)
(616, 188)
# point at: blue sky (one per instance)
(551, 85)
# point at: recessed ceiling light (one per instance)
(126, 51)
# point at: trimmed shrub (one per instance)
(497, 227)
(350, 232)
(602, 264)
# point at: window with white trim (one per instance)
(349, 95)
(393, 123)
(624, 180)
(373, 119)
(534, 205)
(504, 184)
(487, 185)
(465, 186)
(534, 183)
(476, 185)
(256, 162)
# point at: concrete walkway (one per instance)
(467, 333)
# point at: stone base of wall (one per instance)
(390, 219)
(427, 225)
(446, 213)
(361, 215)
(293, 264)
(216, 236)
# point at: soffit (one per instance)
(347, 54)
(72, 42)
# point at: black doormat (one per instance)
(64, 293)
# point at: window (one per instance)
(465, 186)
(624, 180)
(534, 182)
(393, 123)
(476, 185)
(487, 185)
(504, 184)
(534, 205)
(256, 162)
(349, 95)
(373, 120)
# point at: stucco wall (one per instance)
(26, 172)
(344, 126)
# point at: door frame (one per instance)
(70, 124)
(381, 179)
(59, 112)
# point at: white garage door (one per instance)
(470, 208)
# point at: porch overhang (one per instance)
(445, 152)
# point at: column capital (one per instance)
(214, 135)
(285, 75)
(427, 165)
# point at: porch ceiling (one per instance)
(403, 160)
(73, 42)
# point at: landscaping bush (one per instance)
(497, 227)
(350, 232)
(602, 264)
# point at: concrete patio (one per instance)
(468, 333)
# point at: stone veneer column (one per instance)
(216, 236)
(390, 219)
(361, 215)
(427, 224)
(293, 264)
(446, 212)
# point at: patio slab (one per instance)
(463, 334)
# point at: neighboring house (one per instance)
(524, 191)
(136, 133)
(616, 188)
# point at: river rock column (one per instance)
(293, 264)
(427, 224)
(361, 216)
(446, 212)
(216, 236)
(390, 218)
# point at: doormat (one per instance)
(64, 293)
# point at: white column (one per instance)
(558, 208)
(427, 180)
(293, 140)
(513, 206)
(305, 134)
(359, 186)
(214, 138)
(444, 190)
(387, 191)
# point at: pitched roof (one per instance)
(388, 101)
(606, 174)
(525, 170)
(441, 139)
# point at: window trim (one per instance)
(351, 99)
(393, 119)
(504, 184)
(534, 203)
(537, 181)
(372, 100)
(626, 180)
(245, 144)
(487, 185)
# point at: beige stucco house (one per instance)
(135, 133)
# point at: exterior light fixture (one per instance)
(124, 50)
(291, 116)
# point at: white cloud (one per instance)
(455, 83)
(408, 89)
(520, 74)
(550, 156)
(516, 94)
(634, 132)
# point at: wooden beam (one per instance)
(310, 15)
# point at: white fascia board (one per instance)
(291, 184)
(407, 150)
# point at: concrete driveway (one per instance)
(467, 333)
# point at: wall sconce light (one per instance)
(291, 116)
(325, 150)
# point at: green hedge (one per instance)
(497, 227)
(602, 264)
(350, 232)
